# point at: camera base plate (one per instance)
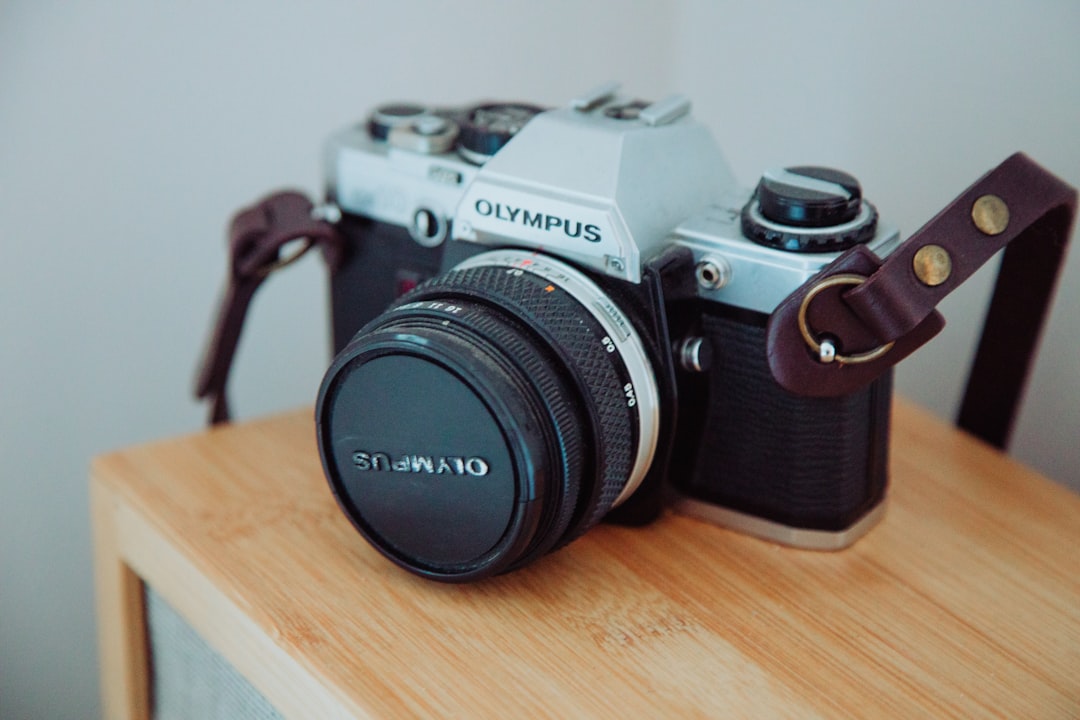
(802, 538)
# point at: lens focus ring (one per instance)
(572, 334)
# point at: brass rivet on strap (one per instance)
(991, 215)
(932, 265)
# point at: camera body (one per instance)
(610, 228)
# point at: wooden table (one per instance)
(963, 602)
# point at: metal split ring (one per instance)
(826, 351)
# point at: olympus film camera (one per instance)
(549, 317)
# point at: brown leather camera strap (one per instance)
(875, 313)
(257, 237)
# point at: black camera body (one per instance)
(551, 317)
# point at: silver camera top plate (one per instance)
(606, 182)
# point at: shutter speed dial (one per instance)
(808, 209)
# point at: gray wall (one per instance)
(130, 131)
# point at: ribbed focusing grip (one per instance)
(569, 333)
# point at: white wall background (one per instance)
(129, 132)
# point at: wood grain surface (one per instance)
(963, 602)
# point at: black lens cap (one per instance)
(452, 458)
(421, 459)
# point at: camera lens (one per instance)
(492, 415)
